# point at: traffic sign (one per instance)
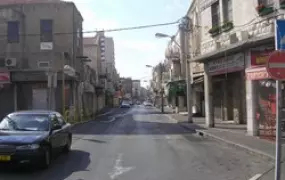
(280, 34)
(276, 65)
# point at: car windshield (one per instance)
(25, 122)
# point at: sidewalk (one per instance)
(235, 135)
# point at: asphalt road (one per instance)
(142, 144)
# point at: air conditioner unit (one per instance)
(233, 38)
(10, 62)
(43, 64)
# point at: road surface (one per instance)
(142, 144)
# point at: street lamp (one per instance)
(172, 38)
(161, 35)
(184, 29)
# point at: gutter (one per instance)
(237, 47)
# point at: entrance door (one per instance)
(40, 99)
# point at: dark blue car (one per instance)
(31, 137)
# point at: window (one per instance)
(215, 9)
(228, 10)
(46, 30)
(265, 2)
(13, 35)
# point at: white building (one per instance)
(237, 37)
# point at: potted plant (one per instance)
(227, 26)
(264, 10)
(214, 31)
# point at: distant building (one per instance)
(136, 89)
(126, 85)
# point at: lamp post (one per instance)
(184, 29)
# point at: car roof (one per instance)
(42, 112)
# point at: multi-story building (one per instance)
(39, 38)
(126, 85)
(236, 40)
(107, 54)
(91, 51)
(136, 89)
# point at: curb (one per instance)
(237, 145)
(231, 143)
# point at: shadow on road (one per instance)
(62, 167)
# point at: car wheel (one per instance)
(46, 160)
(67, 147)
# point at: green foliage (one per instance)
(177, 88)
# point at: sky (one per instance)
(137, 48)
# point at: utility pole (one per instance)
(161, 70)
(63, 84)
(184, 29)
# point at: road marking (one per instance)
(256, 177)
(109, 112)
(118, 168)
(113, 118)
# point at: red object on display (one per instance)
(276, 65)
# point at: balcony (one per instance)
(260, 28)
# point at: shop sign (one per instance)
(257, 73)
(227, 64)
(260, 57)
(5, 77)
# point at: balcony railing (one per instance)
(259, 28)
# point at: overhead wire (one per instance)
(103, 30)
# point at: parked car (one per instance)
(125, 104)
(32, 137)
(146, 103)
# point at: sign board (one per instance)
(256, 73)
(227, 64)
(259, 57)
(46, 46)
(276, 65)
(5, 77)
(280, 34)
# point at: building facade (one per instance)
(136, 90)
(26, 60)
(126, 86)
(236, 39)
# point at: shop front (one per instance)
(228, 87)
(264, 102)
